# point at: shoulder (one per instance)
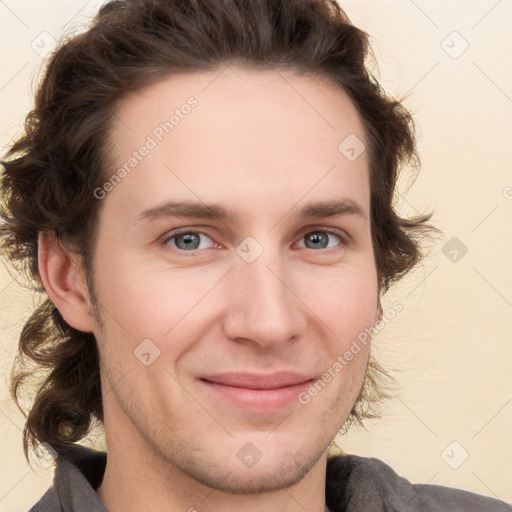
(48, 503)
(78, 473)
(369, 484)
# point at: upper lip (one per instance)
(258, 380)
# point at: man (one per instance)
(204, 190)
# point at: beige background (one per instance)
(453, 340)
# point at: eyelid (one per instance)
(345, 237)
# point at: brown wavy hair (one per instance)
(51, 170)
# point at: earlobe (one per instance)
(60, 272)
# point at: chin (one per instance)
(270, 473)
(265, 478)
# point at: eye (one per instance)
(321, 238)
(187, 240)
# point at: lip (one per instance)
(258, 380)
(259, 392)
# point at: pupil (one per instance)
(316, 237)
(188, 240)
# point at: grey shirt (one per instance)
(353, 484)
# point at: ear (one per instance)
(62, 277)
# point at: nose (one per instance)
(262, 306)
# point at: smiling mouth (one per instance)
(262, 393)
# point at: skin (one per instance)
(264, 144)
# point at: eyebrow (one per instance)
(198, 210)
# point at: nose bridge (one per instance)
(261, 305)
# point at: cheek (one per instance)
(345, 300)
(166, 305)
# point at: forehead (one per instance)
(238, 135)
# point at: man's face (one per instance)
(265, 293)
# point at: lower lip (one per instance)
(261, 400)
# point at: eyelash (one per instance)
(344, 242)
